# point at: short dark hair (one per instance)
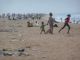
(42, 22)
(69, 15)
(50, 14)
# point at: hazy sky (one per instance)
(39, 6)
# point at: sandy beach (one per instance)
(56, 46)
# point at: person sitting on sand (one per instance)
(42, 28)
(67, 20)
(50, 22)
(29, 24)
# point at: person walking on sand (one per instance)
(42, 28)
(50, 22)
(67, 20)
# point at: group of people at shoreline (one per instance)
(51, 21)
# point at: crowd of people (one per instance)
(19, 16)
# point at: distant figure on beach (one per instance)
(67, 20)
(50, 22)
(36, 23)
(9, 17)
(29, 24)
(42, 28)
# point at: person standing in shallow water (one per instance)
(67, 20)
(50, 23)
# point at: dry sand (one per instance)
(59, 46)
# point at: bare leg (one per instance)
(62, 28)
(68, 28)
(44, 31)
(51, 30)
(41, 32)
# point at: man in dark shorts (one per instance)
(67, 20)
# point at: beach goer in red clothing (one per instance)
(67, 20)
